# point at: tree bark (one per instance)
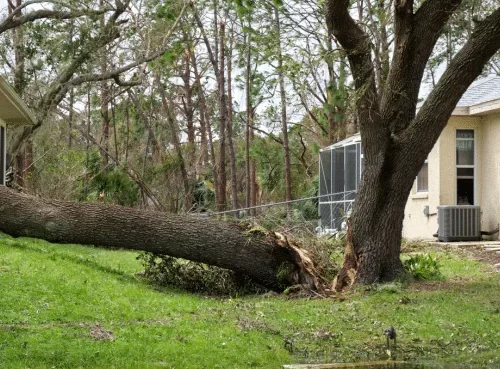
(284, 125)
(268, 258)
(176, 142)
(205, 126)
(221, 190)
(395, 138)
(187, 104)
(248, 121)
(104, 97)
(232, 154)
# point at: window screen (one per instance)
(423, 178)
(350, 168)
(338, 184)
(325, 173)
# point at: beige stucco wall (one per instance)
(442, 178)
(489, 184)
(448, 181)
(416, 224)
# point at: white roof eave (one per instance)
(23, 115)
(345, 142)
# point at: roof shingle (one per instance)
(481, 91)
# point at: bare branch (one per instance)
(357, 46)
(59, 87)
(13, 20)
(213, 60)
(133, 173)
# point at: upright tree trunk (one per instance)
(71, 115)
(250, 165)
(396, 138)
(248, 120)
(232, 154)
(87, 146)
(268, 258)
(115, 135)
(219, 72)
(104, 99)
(187, 102)
(177, 144)
(254, 187)
(19, 56)
(221, 190)
(24, 157)
(375, 227)
(127, 122)
(204, 118)
(284, 125)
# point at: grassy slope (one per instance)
(57, 301)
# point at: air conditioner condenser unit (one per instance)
(459, 223)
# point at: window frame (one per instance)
(426, 162)
(465, 166)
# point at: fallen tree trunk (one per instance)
(266, 257)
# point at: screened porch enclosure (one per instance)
(340, 168)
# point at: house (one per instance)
(460, 179)
(13, 113)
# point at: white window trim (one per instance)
(474, 177)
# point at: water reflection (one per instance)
(379, 365)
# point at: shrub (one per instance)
(423, 267)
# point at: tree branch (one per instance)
(356, 43)
(59, 87)
(415, 37)
(132, 173)
(13, 20)
(464, 68)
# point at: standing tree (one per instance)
(395, 137)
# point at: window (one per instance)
(2, 155)
(423, 178)
(465, 166)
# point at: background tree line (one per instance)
(188, 106)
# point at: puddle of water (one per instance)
(374, 365)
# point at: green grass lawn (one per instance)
(70, 306)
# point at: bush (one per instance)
(423, 267)
(196, 277)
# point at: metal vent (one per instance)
(459, 223)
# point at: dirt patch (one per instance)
(452, 285)
(473, 251)
(98, 333)
(480, 253)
